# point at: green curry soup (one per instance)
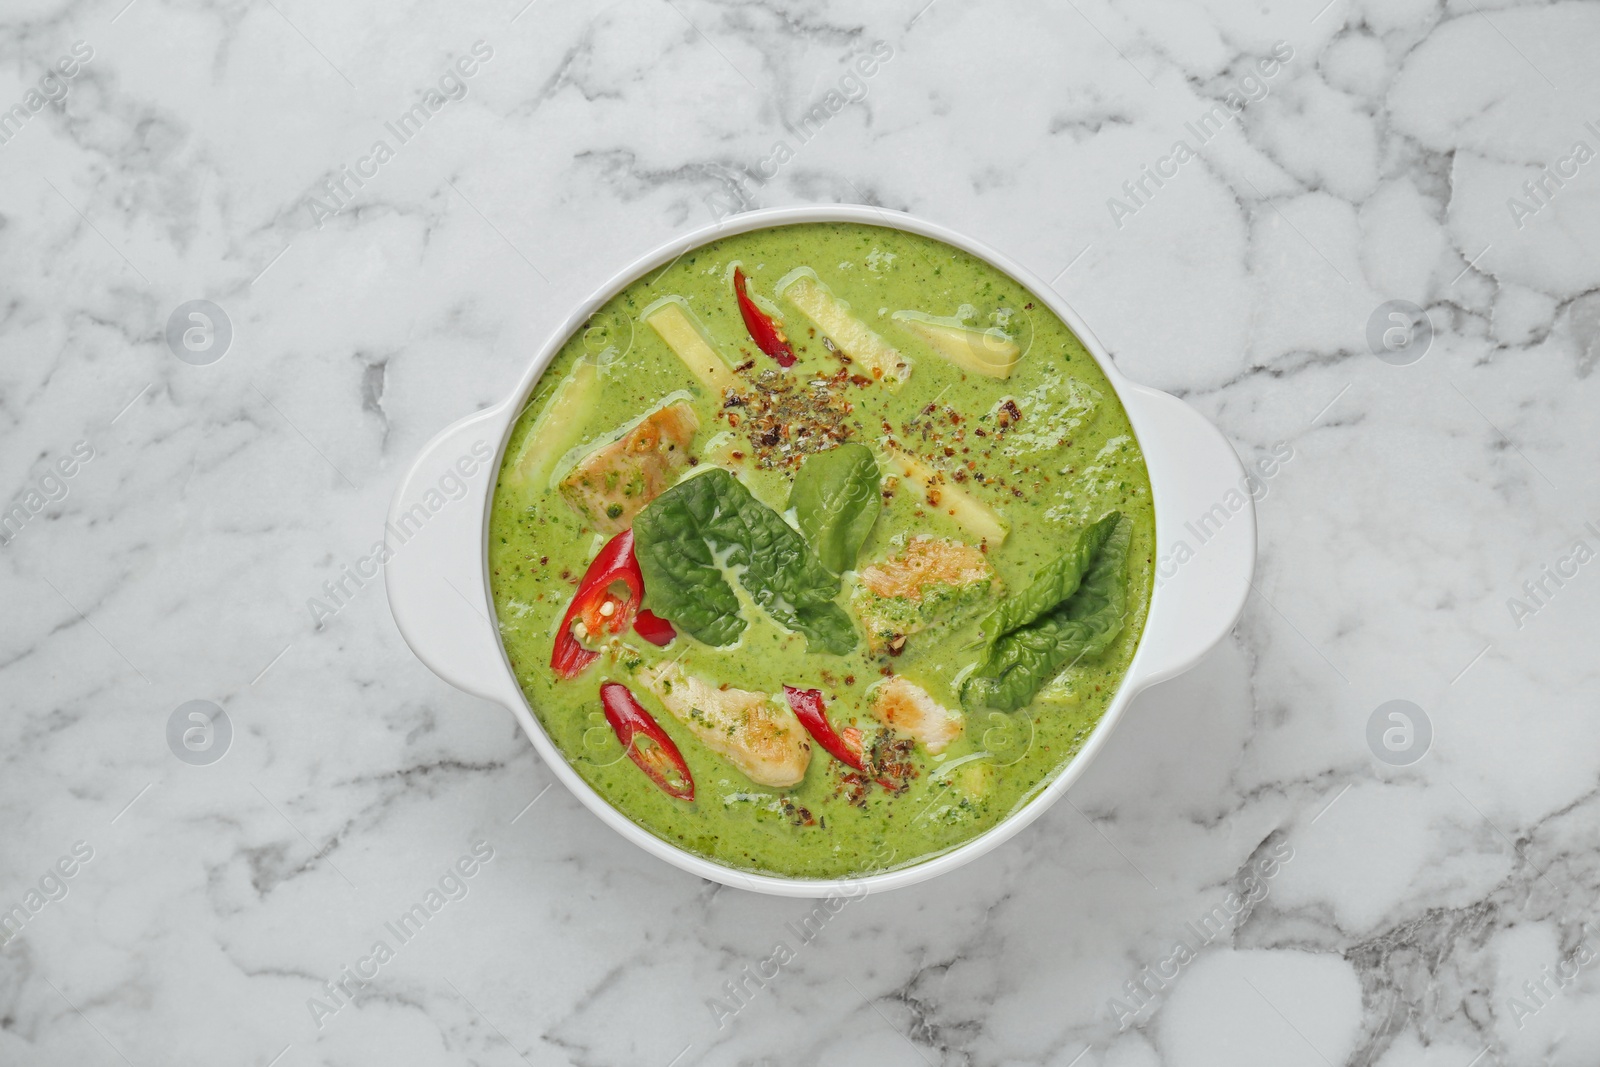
(938, 518)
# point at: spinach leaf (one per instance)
(1024, 660)
(1054, 583)
(686, 536)
(835, 501)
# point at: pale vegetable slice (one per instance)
(671, 318)
(975, 779)
(970, 513)
(972, 774)
(878, 358)
(989, 352)
(721, 448)
(556, 429)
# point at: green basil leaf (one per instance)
(682, 580)
(835, 501)
(1024, 661)
(1054, 583)
(679, 539)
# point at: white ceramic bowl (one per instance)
(438, 576)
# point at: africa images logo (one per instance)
(49, 487)
(452, 85)
(54, 885)
(340, 991)
(53, 88)
(1144, 989)
(1553, 178)
(1250, 89)
(354, 576)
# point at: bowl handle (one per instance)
(1205, 534)
(435, 573)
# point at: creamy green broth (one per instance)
(1070, 458)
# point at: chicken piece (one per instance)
(610, 485)
(927, 561)
(757, 734)
(927, 581)
(907, 707)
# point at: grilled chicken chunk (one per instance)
(928, 580)
(610, 485)
(757, 734)
(907, 708)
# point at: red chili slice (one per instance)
(654, 628)
(647, 743)
(808, 708)
(763, 331)
(598, 606)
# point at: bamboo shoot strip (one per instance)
(971, 514)
(878, 358)
(553, 434)
(671, 318)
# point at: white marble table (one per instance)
(1412, 911)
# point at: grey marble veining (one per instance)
(1431, 537)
